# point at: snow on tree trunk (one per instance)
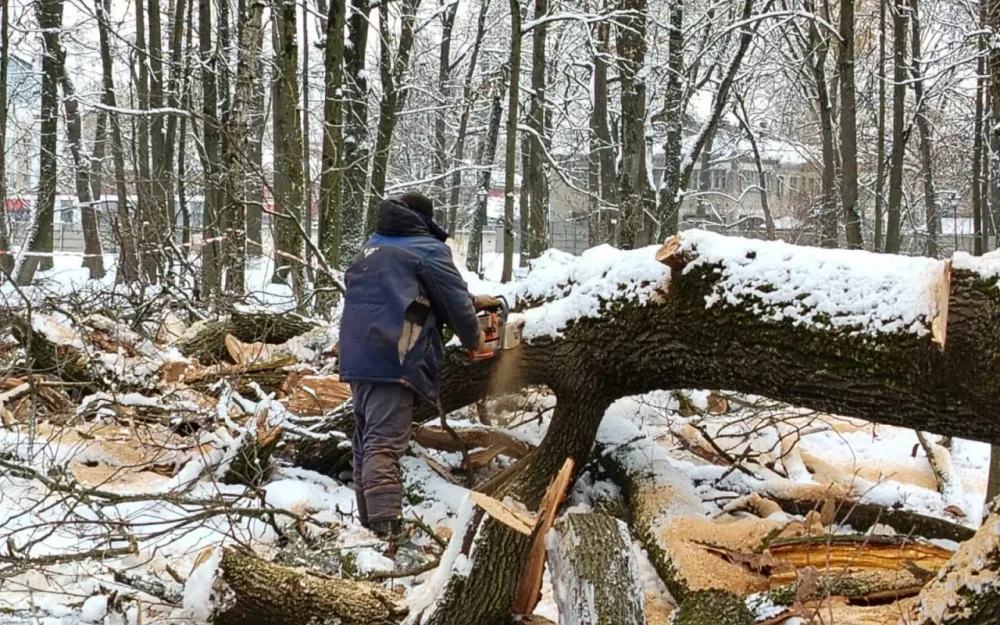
(967, 590)
(595, 577)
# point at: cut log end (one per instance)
(939, 325)
(671, 255)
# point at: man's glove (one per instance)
(484, 302)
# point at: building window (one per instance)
(719, 179)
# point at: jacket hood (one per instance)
(397, 220)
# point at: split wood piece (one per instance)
(257, 592)
(316, 395)
(250, 353)
(531, 580)
(436, 437)
(594, 571)
(519, 521)
(863, 516)
(857, 587)
(438, 468)
(837, 554)
(270, 376)
(252, 463)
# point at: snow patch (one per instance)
(198, 595)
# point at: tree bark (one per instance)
(513, 97)
(524, 202)
(176, 85)
(128, 267)
(819, 47)
(307, 212)
(145, 185)
(162, 189)
(50, 23)
(980, 242)
(899, 26)
(848, 128)
(332, 172)
(7, 258)
(635, 194)
(877, 241)
(238, 147)
(962, 593)
(595, 574)
(268, 594)
(393, 71)
(671, 189)
(472, 259)
(537, 163)
(288, 153)
(932, 218)
(92, 258)
(463, 123)
(211, 251)
(356, 141)
(440, 161)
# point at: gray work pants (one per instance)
(383, 417)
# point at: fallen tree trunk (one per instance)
(912, 340)
(262, 593)
(206, 340)
(595, 577)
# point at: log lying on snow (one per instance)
(905, 341)
(257, 592)
(206, 340)
(595, 577)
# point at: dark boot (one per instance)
(388, 530)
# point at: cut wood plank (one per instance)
(531, 580)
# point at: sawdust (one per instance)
(702, 570)
(658, 610)
(505, 371)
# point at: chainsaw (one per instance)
(500, 331)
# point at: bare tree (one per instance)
(473, 257)
(440, 160)
(50, 22)
(880, 149)
(671, 189)
(537, 161)
(392, 69)
(933, 219)
(636, 195)
(332, 172)
(513, 97)
(288, 153)
(211, 256)
(6, 257)
(848, 128)
(356, 140)
(128, 265)
(899, 26)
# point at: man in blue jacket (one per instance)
(402, 288)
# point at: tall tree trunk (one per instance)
(332, 171)
(880, 150)
(175, 87)
(463, 123)
(818, 49)
(899, 26)
(979, 243)
(440, 160)
(307, 213)
(636, 195)
(848, 128)
(255, 193)
(288, 237)
(537, 164)
(6, 257)
(513, 97)
(472, 258)
(92, 258)
(50, 22)
(671, 188)
(128, 264)
(602, 133)
(744, 119)
(392, 71)
(162, 190)
(357, 144)
(933, 219)
(144, 185)
(524, 202)
(211, 271)
(238, 147)
(182, 204)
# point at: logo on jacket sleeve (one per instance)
(369, 251)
